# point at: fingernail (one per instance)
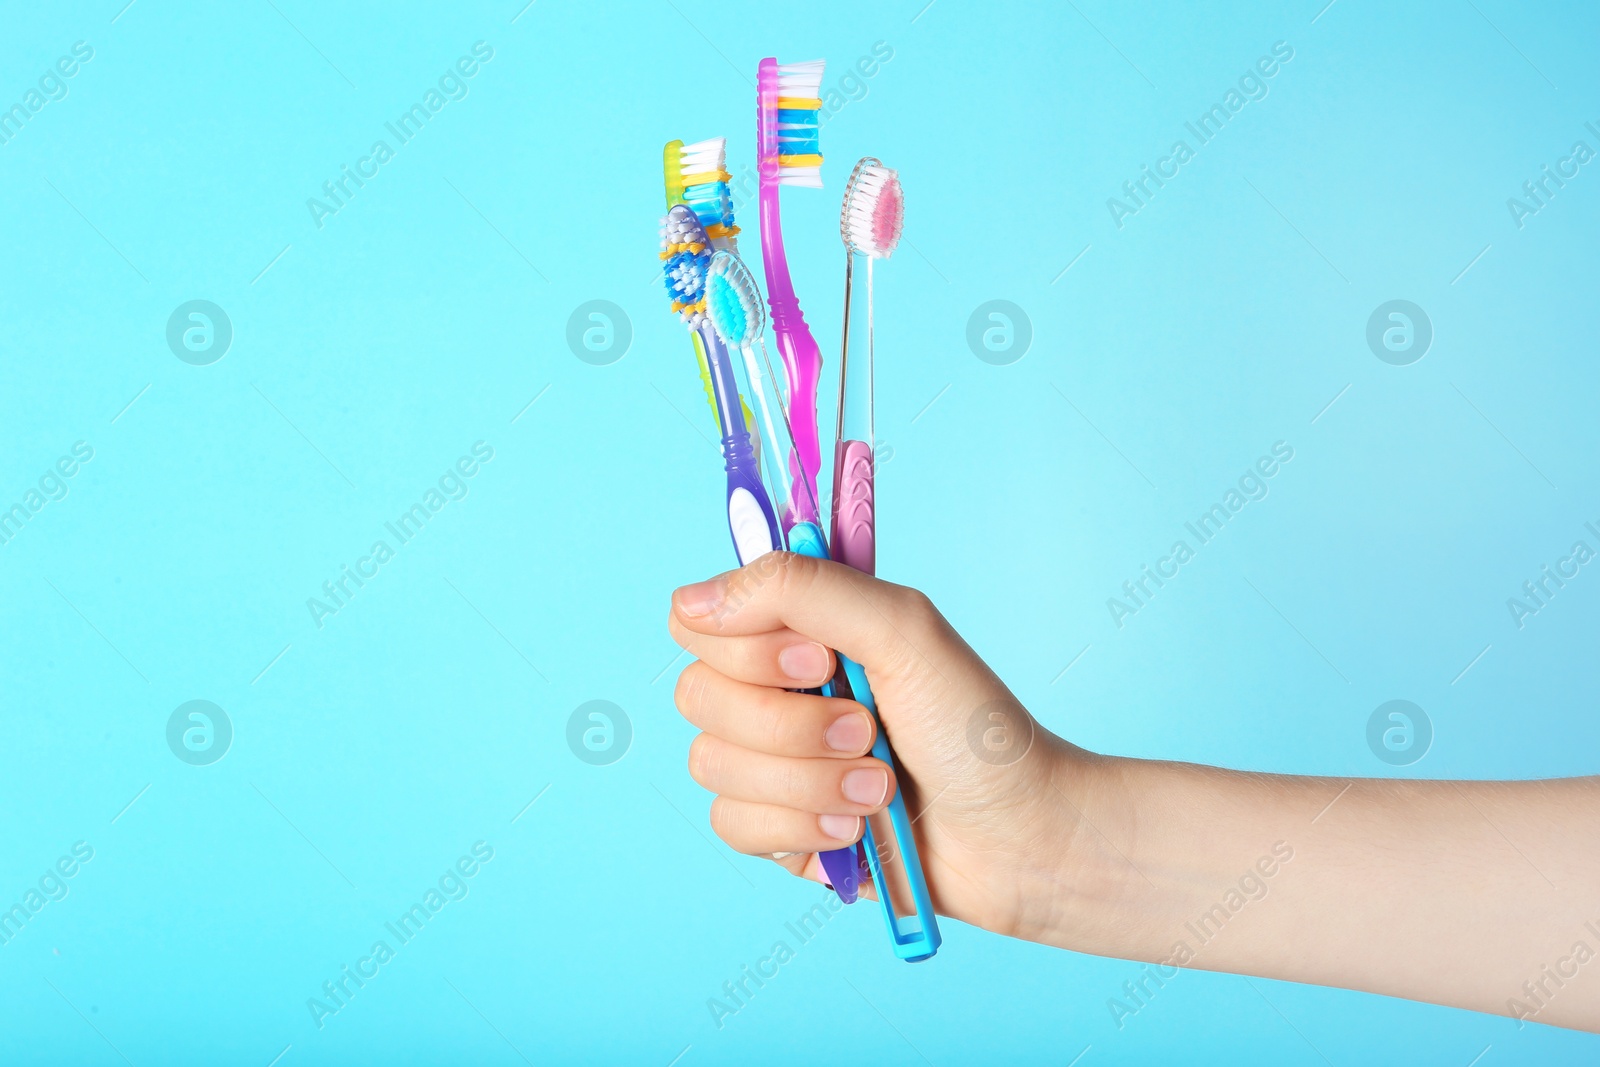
(699, 599)
(867, 785)
(849, 733)
(840, 827)
(804, 662)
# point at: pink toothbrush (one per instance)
(870, 223)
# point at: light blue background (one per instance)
(425, 316)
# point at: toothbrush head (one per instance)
(788, 104)
(874, 210)
(702, 171)
(733, 302)
(672, 173)
(697, 175)
(685, 260)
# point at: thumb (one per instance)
(878, 624)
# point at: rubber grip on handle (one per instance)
(750, 518)
(853, 540)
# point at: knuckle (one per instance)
(703, 760)
(746, 583)
(724, 823)
(793, 573)
(792, 786)
(689, 693)
(685, 690)
(776, 730)
(916, 605)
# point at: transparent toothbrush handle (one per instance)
(840, 865)
(913, 942)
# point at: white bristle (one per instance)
(689, 279)
(808, 177)
(861, 204)
(704, 156)
(801, 80)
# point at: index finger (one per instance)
(869, 620)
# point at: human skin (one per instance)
(1481, 895)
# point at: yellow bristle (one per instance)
(799, 103)
(800, 161)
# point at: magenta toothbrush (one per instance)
(787, 106)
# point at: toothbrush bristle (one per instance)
(733, 302)
(704, 166)
(874, 210)
(797, 123)
(685, 256)
(726, 313)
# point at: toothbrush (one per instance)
(686, 256)
(733, 303)
(697, 175)
(788, 153)
(787, 123)
(870, 222)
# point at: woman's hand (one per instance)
(994, 796)
(1475, 894)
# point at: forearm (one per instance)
(1454, 893)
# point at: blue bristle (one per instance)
(797, 116)
(684, 275)
(712, 202)
(791, 145)
(726, 309)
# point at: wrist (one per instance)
(1076, 889)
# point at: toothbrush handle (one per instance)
(911, 945)
(705, 377)
(853, 540)
(920, 943)
(802, 359)
(802, 363)
(854, 544)
(840, 865)
(751, 520)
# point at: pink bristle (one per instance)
(887, 214)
